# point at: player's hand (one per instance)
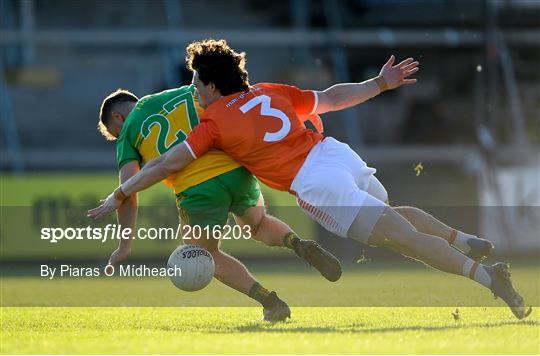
(118, 255)
(398, 75)
(107, 205)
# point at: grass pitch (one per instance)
(217, 330)
(372, 309)
(197, 326)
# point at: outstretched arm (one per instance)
(345, 95)
(126, 215)
(155, 171)
(171, 162)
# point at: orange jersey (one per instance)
(262, 129)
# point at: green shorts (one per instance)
(209, 203)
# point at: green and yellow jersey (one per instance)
(160, 121)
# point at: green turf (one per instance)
(405, 283)
(239, 331)
(375, 307)
(372, 309)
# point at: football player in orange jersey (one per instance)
(206, 192)
(261, 126)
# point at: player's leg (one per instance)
(228, 269)
(264, 227)
(474, 247)
(331, 188)
(394, 231)
(233, 273)
(249, 210)
(207, 204)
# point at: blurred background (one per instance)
(463, 143)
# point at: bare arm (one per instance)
(171, 162)
(155, 171)
(345, 95)
(126, 214)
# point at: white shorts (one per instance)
(334, 185)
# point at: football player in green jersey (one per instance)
(206, 190)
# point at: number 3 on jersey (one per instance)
(267, 110)
(163, 121)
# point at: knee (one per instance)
(408, 212)
(400, 241)
(256, 225)
(393, 230)
(253, 218)
(219, 271)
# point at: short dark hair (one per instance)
(218, 63)
(110, 103)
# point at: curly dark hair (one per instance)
(110, 103)
(218, 63)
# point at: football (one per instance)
(196, 267)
